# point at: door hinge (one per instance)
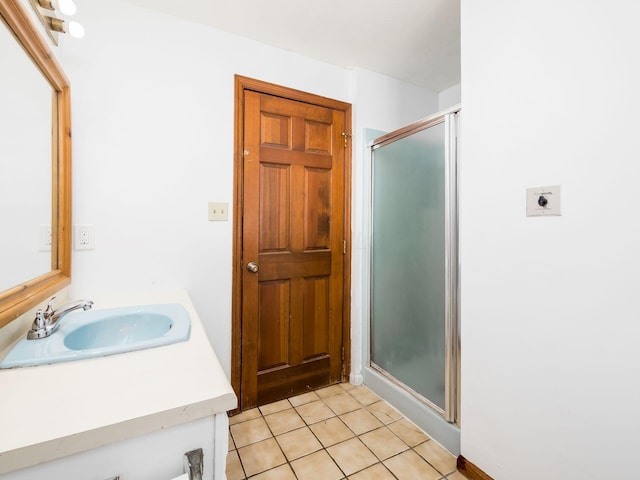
(346, 138)
(343, 373)
(344, 247)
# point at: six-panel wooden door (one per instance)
(293, 234)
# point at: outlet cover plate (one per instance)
(84, 237)
(44, 238)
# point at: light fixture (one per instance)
(55, 24)
(60, 26)
(76, 30)
(66, 7)
(50, 11)
(47, 4)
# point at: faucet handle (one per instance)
(49, 309)
(43, 315)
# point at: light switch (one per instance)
(218, 211)
(543, 201)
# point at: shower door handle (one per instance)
(252, 267)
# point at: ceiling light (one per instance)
(76, 30)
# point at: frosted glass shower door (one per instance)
(410, 261)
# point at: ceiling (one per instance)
(417, 41)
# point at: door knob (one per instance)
(252, 267)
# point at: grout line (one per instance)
(244, 472)
(279, 446)
(308, 427)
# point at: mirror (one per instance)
(35, 166)
(25, 168)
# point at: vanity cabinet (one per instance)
(132, 415)
(155, 456)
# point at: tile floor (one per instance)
(338, 432)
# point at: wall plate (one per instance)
(218, 211)
(44, 238)
(543, 201)
(84, 237)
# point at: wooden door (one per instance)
(293, 230)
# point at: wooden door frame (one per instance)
(243, 84)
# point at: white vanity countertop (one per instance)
(51, 411)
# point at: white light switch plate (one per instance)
(218, 211)
(543, 201)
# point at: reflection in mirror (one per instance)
(35, 165)
(25, 165)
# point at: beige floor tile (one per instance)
(437, 456)
(234, 467)
(249, 432)
(298, 443)
(331, 431)
(384, 412)
(352, 456)
(317, 466)
(456, 476)
(275, 407)
(360, 421)
(342, 403)
(408, 432)
(244, 416)
(333, 414)
(364, 395)
(314, 412)
(259, 457)
(329, 391)
(283, 472)
(375, 472)
(304, 398)
(411, 466)
(383, 443)
(284, 421)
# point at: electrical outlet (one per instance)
(218, 211)
(44, 238)
(84, 237)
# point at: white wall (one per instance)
(153, 143)
(449, 97)
(550, 362)
(153, 117)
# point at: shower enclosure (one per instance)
(413, 270)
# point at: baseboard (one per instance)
(471, 471)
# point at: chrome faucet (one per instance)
(47, 321)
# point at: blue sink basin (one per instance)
(97, 333)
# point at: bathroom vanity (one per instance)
(131, 415)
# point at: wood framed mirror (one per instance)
(25, 293)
